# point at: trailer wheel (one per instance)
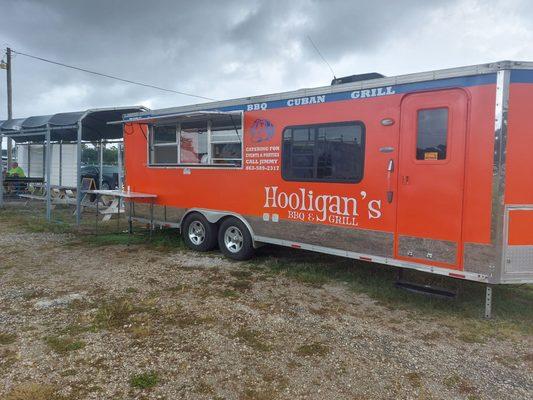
(234, 240)
(198, 233)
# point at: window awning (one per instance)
(192, 117)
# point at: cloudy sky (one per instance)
(232, 48)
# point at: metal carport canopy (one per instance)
(64, 126)
(78, 126)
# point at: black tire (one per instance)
(197, 222)
(241, 249)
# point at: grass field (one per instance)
(512, 304)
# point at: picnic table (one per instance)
(17, 185)
(115, 207)
(22, 179)
(58, 194)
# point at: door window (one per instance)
(432, 134)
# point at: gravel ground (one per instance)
(86, 322)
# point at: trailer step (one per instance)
(427, 290)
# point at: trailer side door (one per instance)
(431, 177)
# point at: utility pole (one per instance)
(3, 65)
(9, 105)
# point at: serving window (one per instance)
(324, 153)
(215, 142)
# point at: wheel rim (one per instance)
(233, 239)
(196, 233)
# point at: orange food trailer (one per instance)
(430, 171)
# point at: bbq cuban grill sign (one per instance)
(308, 100)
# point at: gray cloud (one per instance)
(230, 48)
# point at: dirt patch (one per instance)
(167, 324)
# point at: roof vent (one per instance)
(357, 78)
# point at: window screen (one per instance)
(164, 145)
(226, 141)
(165, 134)
(432, 134)
(165, 155)
(326, 152)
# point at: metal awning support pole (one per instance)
(48, 164)
(60, 163)
(43, 169)
(120, 168)
(119, 177)
(209, 155)
(29, 159)
(101, 164)
(78, 175)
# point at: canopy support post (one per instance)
(28, 147)
(209, 155)
(100, 164)
(60, 163)
(48, 164)
(120, 168)
(43, 171)
(78, 175)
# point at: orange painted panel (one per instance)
(479, 165)
(520, 227)
(519, 165)
(245, 191)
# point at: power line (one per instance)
(321, 56)
(111, 76)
